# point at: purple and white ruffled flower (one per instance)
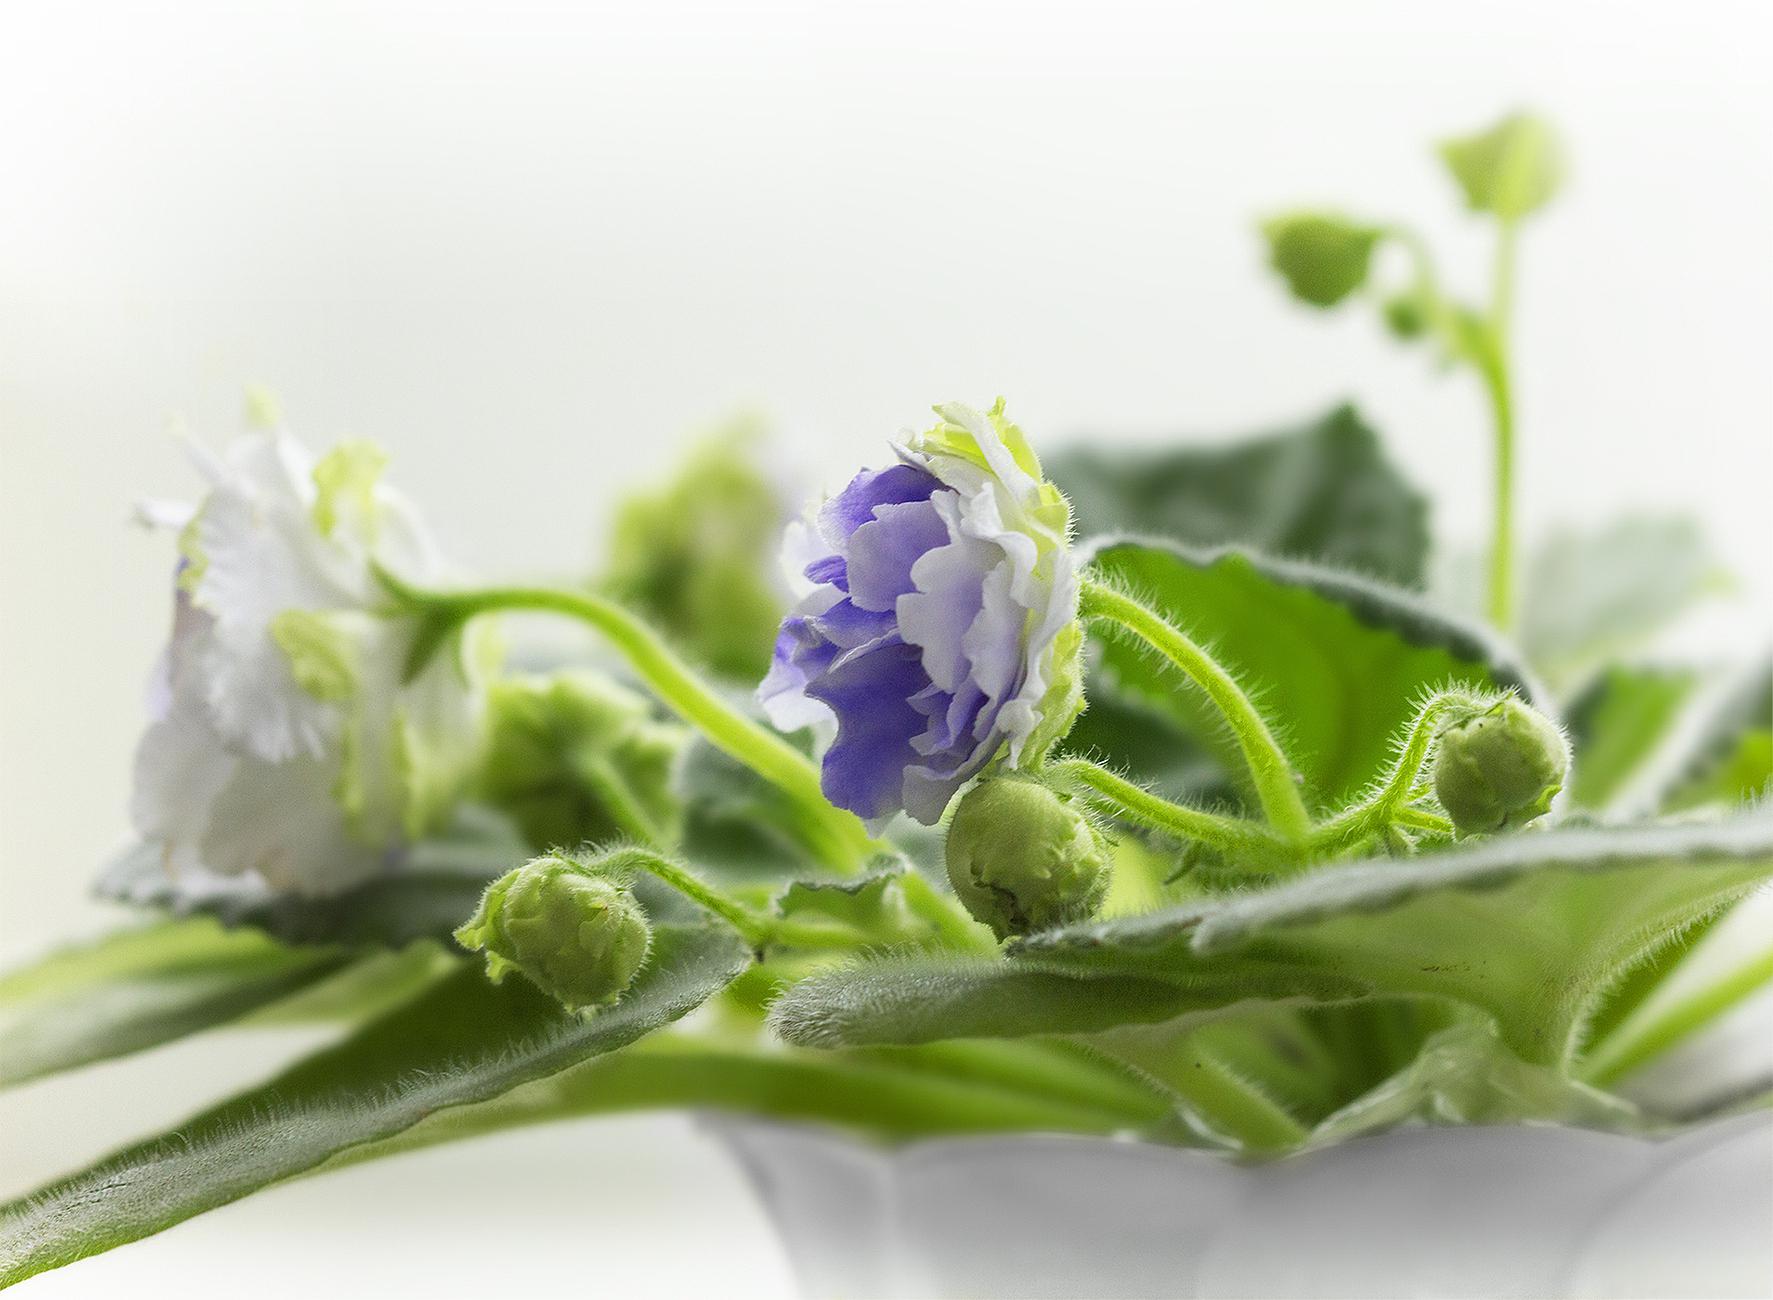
(938, 625)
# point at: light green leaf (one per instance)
(1588, 598)
(465, 1041)
(140, 988)
(1513, 168)
(1322, 256)
(1466, 1075)
(1529, 930)
(1323, 491)
(434, 891)
(1731, 760)
(1337, 661)
(1617, 725)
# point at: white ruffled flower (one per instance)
(284, 740)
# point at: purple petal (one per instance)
(831, 569)
(850, 628)
(868, 491)
(870, 691)
(883, 550)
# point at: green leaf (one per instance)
(896, 1093)
(874, 905)
(1466, 1075)
(465, 1041)
(923, 999)
(1588, 598)
(1529, 930)
(1323, 491)
(434, 891)
(140, 988)
(738, 827)
(1339, 662)
(1731, 760)
(1511, 169)
(1323, 257)
(1617, 726)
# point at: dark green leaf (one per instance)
(1337, 661)
(432, 893)
(141, 988)
(1323, 491)
(1323, 257)
(465, 1041)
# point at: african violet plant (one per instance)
(1136, 794)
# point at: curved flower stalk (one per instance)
(284, 739)
(937, 627)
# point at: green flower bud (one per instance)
(576, 933)
(574, 758)
(1022, 858)
(698, 559)
(1500, 768)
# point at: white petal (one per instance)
(281, 820)
(180, 768)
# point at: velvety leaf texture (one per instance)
(1341, 659)
(1529, 930)
(462, 1042)
(1323, 491)
(141, 988)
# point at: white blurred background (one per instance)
(534, 249)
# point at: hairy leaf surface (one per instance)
(462, 1042)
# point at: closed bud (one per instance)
(575, 932)
(1022, 858)
(576, 758)
(1500, 768)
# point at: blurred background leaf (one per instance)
(1323, 490)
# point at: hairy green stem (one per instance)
(944, 914)
(619, 801)
(844, 838)
(1277, 786)
(1220, 1100)
(1387, 804)
(1423, 820)
(1253, 846)
(1642, 1039)
(758, 930)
